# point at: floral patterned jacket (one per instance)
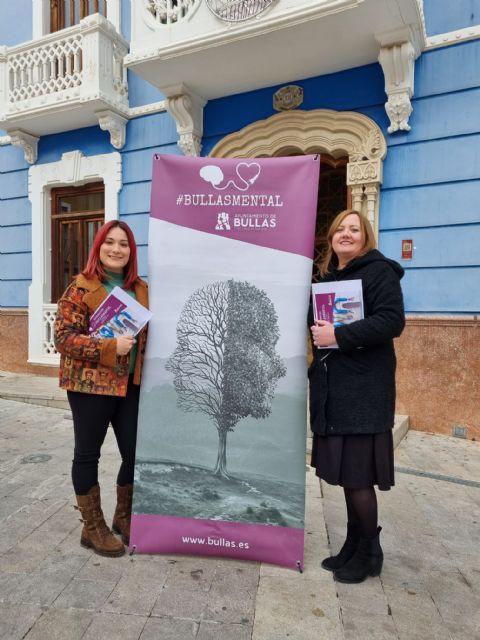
(91, 365)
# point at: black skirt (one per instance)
(355, 461)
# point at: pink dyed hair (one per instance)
(94, 267)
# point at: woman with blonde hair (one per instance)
(352, 391)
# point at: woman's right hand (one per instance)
(124, 344)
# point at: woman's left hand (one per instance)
(323, 334)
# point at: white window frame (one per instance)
(74, 169)
(41, 17)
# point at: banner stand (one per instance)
(220, 460)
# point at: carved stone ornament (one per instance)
(364, 172)
(286, 98)
(27, 142)
(237, 10)
(170, 11)
(190, 144)
(399, 109)
(186, 109)
(115, 125)
(397, 62)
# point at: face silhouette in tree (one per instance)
(225, 364)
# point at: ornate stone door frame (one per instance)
(337, 133)
(74, 169)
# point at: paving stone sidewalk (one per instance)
(51, 588)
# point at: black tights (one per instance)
(362, 510)
(91, 416)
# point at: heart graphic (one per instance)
(248, 172)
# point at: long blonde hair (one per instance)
(369, 244)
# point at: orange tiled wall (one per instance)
(14, 344)
(438, 374)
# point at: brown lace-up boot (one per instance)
(95, 533)
(123, 512)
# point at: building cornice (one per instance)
(133, 112)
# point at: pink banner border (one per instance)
(282, 546)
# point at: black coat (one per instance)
(352, 390)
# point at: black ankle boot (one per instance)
(346, 552)
(366, 561)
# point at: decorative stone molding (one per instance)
(147, 109)
(186, 109)
(372, 191)
(365, 178)
(399, 108)
(73, 169)
(423, 25)
(115, 124)
(27, 142)
(133, 112)
(363, 172)
(4, 86)
(286, 98)
(357, 192)
(398, 64)
(453, 37)
(337, 133)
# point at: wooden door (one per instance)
(77, 214)
(333, 197)
(66, 13)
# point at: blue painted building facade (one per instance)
(429, 193)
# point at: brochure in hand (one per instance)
(118, 315)
(338, 302)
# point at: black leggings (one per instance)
(91, 416)
(362, 510)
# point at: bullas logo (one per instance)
(223, 222)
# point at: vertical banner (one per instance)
(220, 467)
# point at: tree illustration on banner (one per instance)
(225, 364)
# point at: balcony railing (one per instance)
(44, 70)
(48, 345)
(76, 69)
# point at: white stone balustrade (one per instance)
(76, 69)
(48, 317)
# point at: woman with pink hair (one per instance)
(102, 378)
